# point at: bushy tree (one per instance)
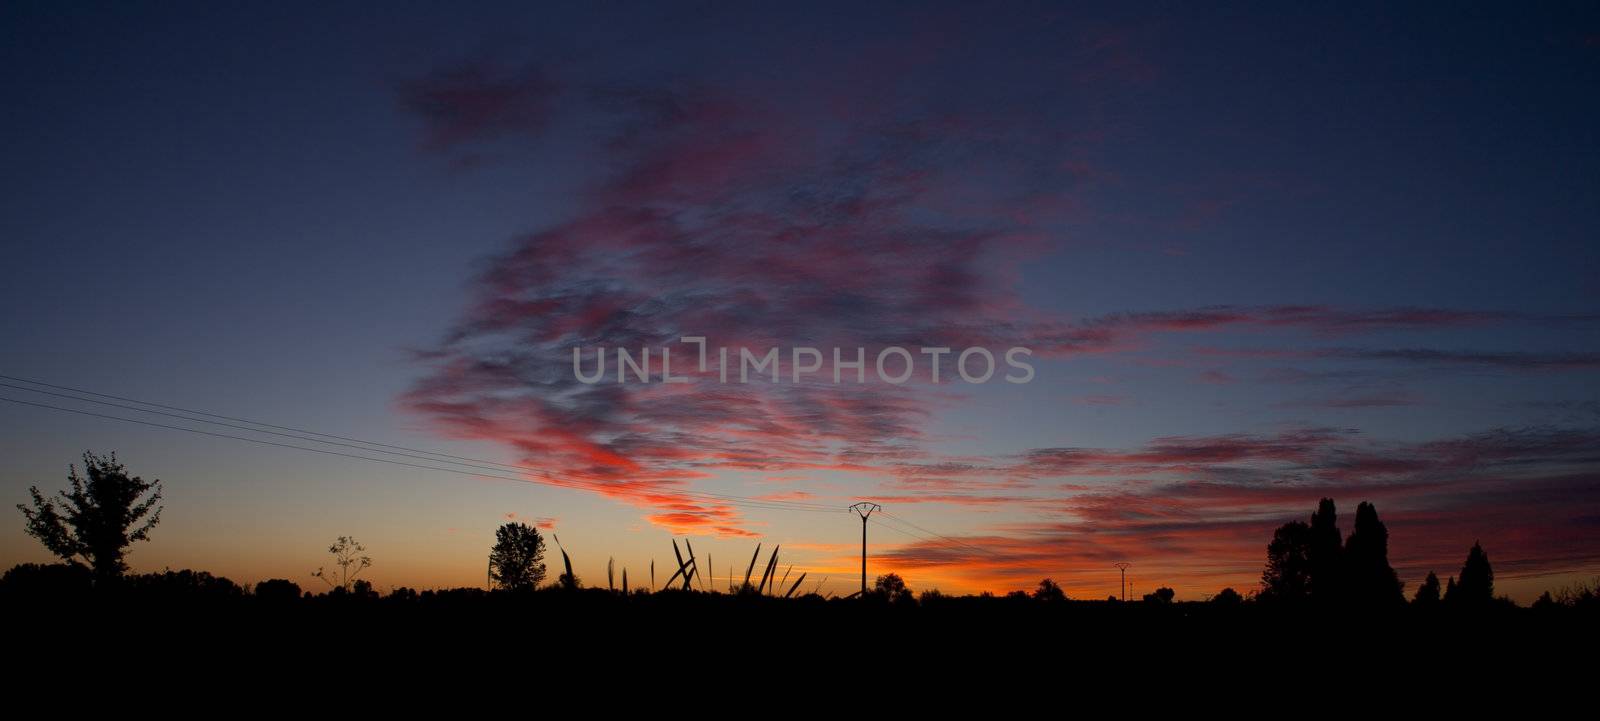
(99, 516)
(892, 587)
(517, 560)
(1287, 576)
(1048, 590)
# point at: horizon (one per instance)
(1257, 257)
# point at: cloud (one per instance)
(779, 219)
(757, 225)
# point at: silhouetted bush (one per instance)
(181, 585)
(35, 581)
(277, 590)
(1161, 595)
(1580, 595)
(1227, 597)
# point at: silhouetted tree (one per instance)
(892, 587)
(1428, 593)
(1227, 597)
(517, 560)
(1287, 576)
(277, 590)
(1049, 591)
(99, 517)
(1161, 595)
(1476, 585)
(1324, 565)
(1369, 578)
(346, 555)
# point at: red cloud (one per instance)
(840, 221)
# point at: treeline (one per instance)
(1310, 563)
(1310, 566)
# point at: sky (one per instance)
(1260, 255)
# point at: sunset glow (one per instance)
(1254, 260)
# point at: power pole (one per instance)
(864, 509)
(1124, 568)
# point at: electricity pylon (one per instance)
(1124, 568)
(864, 509)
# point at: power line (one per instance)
(465, 461)
(958, 542)
(369, 446)
(217, 415)
(554, 483)
(934, 539)
(530, 469)
(753, 503)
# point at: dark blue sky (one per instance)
(264, 211)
